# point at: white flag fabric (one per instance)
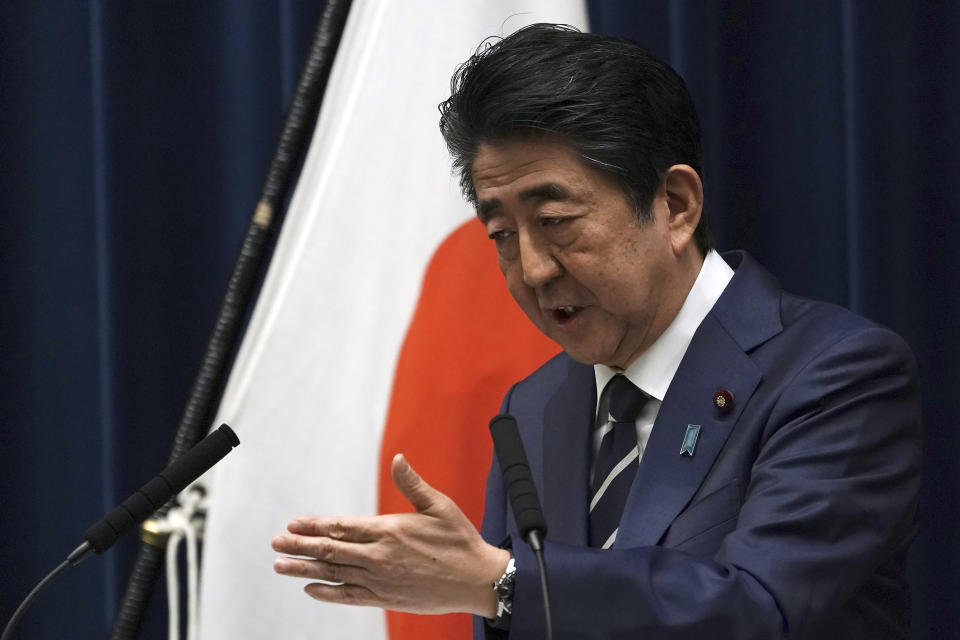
(310, 392)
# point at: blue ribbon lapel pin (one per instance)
(690, 439)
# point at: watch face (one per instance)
(504, 585)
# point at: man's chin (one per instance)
(582, 353)
(594, 354)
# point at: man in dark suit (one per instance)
(716, 458)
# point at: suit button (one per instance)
(723, 401)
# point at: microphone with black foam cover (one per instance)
(169, 482)
(516, 477)
(138, 507)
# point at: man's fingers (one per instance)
(320, 570)
(354, 529)
(414, 488)
(326, 549)
(343, 594)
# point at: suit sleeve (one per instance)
(832, 495)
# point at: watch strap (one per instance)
(503, 588)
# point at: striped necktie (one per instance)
(617, 460)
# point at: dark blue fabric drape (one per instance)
(134, 138)
(831, 150)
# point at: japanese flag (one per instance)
(383, 326)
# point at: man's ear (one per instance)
(683, 192)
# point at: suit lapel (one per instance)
(746, 315)
(568, 419)
(666, 480)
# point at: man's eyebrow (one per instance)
(546, 191)
(485, 207)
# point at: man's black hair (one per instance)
(624, 111)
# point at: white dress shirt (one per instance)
(654, 369)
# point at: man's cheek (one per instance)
(504, 266)
(526, 299)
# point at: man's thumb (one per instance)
(414, 488)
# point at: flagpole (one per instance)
(211, 377)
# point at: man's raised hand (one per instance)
(429, 561)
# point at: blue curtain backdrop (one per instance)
(134, 138)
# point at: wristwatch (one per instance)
(503, 588)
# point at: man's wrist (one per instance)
(494, 563)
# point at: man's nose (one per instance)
(537, 260)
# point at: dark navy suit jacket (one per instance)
(791, 519)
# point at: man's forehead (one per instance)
(499, 165)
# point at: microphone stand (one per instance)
(76, 556)
(536, 545)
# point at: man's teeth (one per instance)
(568, 309)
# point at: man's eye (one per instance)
(552, 222)
(503, 234)
(559, 229)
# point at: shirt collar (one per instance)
(654, 369)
